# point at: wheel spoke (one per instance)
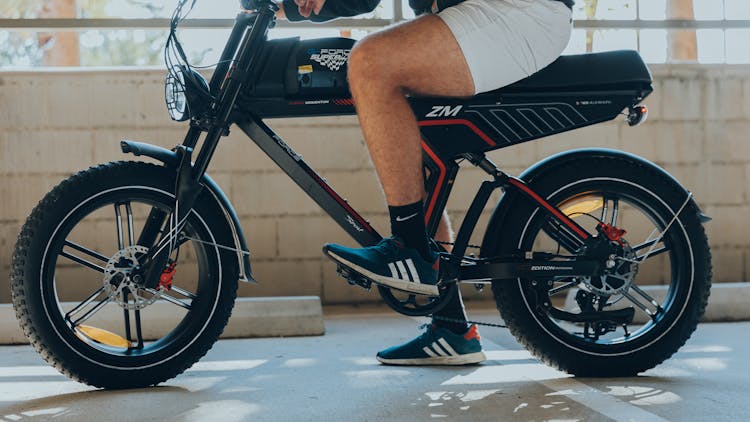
(82, 261)
(84, 303)
(88, 313)
(183, 292)
(126, 314)
(86, 250)
(131, 230)
(644, 245)
(646, 296)
(175, 301)
(138, 333)
(118, 222)
(615, 209)
(640, 305)
(653, 253)
(562, 238)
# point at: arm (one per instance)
(331, 9)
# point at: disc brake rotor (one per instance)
(616, 279)
(118, 282)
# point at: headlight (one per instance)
(186, 92)
(174, 91)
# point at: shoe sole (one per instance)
(407, 286)
(467, 359)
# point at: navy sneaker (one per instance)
(437, 346)
(391, 264)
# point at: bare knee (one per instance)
(369, 65)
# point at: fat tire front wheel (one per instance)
(46, 253)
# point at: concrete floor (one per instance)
(336, 378)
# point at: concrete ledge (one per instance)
(276, 317)
(728, 302)
(251, 317)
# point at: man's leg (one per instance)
(454, 310)
(419, 56)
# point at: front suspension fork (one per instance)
(187, 190)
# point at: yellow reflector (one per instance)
(103, 336)
(585, 206)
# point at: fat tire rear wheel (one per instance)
(533, 327)
(30, 287)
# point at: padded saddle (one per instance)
(608, 70)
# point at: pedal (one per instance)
(353, 278)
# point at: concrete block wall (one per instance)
(53, 123)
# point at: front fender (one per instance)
(169, 158)
(541, 168)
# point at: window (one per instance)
(132, 32)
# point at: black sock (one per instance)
(407, 222)
(454, 311)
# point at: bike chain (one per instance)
(466, 321)
(469, 246)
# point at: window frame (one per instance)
(85, 24)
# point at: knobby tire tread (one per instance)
(526, 331)
(21, 306)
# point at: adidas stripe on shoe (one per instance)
(390, 264)
(436, 346)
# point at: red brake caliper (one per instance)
(165, 281)
(612, 233)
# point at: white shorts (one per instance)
(504, 41)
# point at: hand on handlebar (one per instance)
(306, 8)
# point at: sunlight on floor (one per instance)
(299, 363)
(374, 378)
(227, 365)
(506, 374)
(643, 396)
(207, 411)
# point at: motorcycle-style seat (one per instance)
(611, 69)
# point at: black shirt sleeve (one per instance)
(332, 9)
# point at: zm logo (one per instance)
(444, 111)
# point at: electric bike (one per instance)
(569, 249)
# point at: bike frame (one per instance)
(242, 51)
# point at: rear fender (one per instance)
(169, 158)
(509, 198)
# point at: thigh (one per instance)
(421, 56)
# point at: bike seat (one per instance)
(611, 69)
